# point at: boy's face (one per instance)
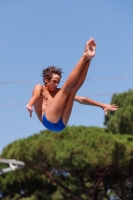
(53, 83)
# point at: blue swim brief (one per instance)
(56, 127)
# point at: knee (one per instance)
(66, 89)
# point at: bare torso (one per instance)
(44, 101)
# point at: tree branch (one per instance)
(48, 174)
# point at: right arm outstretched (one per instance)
(35, 94)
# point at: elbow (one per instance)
(83, 100)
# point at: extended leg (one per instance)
(55, 111)
(68, 107)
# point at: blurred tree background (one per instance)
(79, 163)
(121, 121)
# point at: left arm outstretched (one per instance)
(87, 101)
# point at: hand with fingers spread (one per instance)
(90, 48)
(107, 107)
(87, 101)
(30, 109)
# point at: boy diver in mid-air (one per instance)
(53, 105)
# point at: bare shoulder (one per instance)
(76, 98)
(37, 89)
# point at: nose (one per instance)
(56, 84)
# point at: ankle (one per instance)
(85, 56)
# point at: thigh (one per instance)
(55, 110)
(68, 107)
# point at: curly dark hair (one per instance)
(48, 72)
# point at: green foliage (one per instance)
(78, 156)
(121, 120)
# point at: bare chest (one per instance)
(47, 98)
(43, 102)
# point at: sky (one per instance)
(35, 34)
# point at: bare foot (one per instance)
(90, 48)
